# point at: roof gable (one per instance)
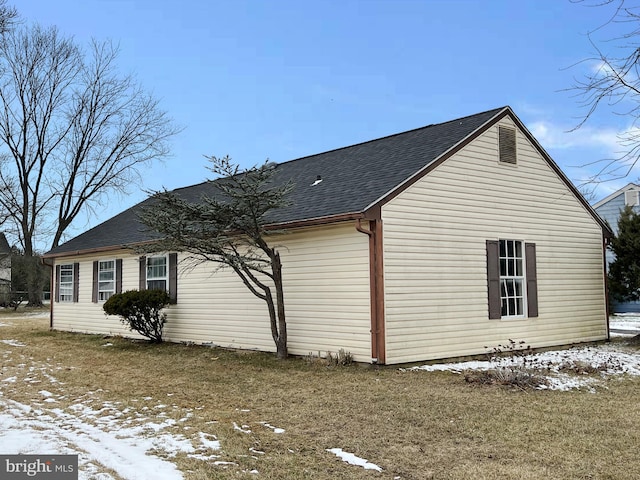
(354, 180)
(608, 198)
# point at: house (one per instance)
(5, 270)
(609, 209)
(433, 243)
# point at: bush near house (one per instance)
(141, 311)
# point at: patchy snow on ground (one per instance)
(140, 441)
(351, 459)
(625, 324)
(133, 442)
(569, 369)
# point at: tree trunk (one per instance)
(35, 282)
(281, 343)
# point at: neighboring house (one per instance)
(609, 209)
(433, 243)
(5, 270)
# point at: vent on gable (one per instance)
(507, 144)
(631, 198)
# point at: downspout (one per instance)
(605, 244)
(376, 287)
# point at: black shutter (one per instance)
(119, 275)
(493, 279)
(173, 277)
(94, 290)
(76, 281)
(57, 297)
(532, 279)
(143, 273)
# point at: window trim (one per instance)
(494, 283)
(95, 293)
(631, 200)
(113, 281)
(521, 300)
(172, 275)
(164, 278)
(75, 275)
(65, 268)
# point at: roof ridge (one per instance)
(395, 135)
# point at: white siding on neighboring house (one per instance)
(435, 270)
(326, 278)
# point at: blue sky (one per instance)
(281, 79)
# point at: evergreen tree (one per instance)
(624, 271)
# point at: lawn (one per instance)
(135, 410)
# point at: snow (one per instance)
(605, 359)
(351, 459)
(136, 442)
(275, 429)
(141, 442)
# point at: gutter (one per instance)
(311, 222)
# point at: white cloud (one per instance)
(553, 136)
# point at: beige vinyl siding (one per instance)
(326, 278)
(436, 300)
(84, 315)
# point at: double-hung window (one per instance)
(65, 285)
(512, 279)
(106, 279)
(160, 272)
(157, 273)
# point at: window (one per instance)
(631, 198)
(67, 276)
(157, 278)
(160, 272)
(106, 279)
(507, 145)
(511, 278)
(65, 283)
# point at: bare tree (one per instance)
(229, 228)
(8, 17)
(72, 128)
(614, 83)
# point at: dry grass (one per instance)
(415, 425)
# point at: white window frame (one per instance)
(513, 278)
(103, 292)
(631, 198)
(65, 287)
(157, 278)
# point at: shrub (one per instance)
(141, 311)
(516, 369)
(340, 359)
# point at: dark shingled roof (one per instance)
(4, 245)
(353, 179)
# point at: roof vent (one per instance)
(507, 144)
(318, 180)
